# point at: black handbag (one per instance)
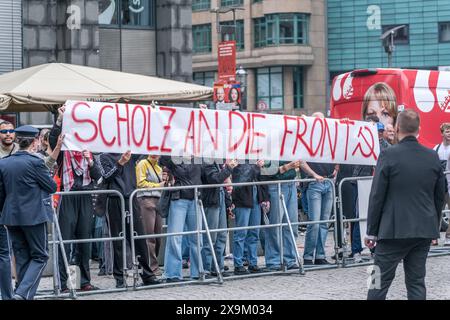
(164, 203)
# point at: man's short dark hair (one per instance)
(6, 123)
(408, 121)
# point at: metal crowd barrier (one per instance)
(434, 250)
(201, 214)
(58, 241)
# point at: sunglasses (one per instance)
(7, 131)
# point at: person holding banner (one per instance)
(78, 172)
(247, 213)
(182, 213)
(119, 172)
(215, 209)
(404, 210)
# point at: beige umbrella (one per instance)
(43, 87)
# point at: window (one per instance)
(284, 28)
(198, 5)
(204, 78)
(270, 87)
(259, 26)
(127, 13)
(236, 34)
(298, 87)
(201, 35)
(256, 1)
(401, 36)
(444, 31)
(231, 3)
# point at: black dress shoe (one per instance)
(321, 262)
(307, 262)
(172, 280)
(240, 270)
(254, 269)
(151, 281)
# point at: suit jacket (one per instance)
(407, 193)
(25, 188)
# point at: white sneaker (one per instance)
(357, 257)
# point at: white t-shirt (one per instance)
(443, 152)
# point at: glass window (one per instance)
(270, 87)
(285, 28)
(127, 13)
(204, 78)
(444, 32)
(298, 87)
(237, 32)
(231, 3)
(198, 5)
(201, 36)
(401, 36)
(259, 26)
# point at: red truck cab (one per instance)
(426, 91)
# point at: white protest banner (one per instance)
(217, 134)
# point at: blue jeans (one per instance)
(5, 265)
(272, 240)
(249, 238)
(356, 233)
(182, 213)
(320, 202)
(217, 219)
(185, 246)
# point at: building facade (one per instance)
(150, 37)
(355, 28)
(281, 44)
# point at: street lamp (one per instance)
(388, 42)
(218, 11)
(241, 76)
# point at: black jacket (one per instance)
(94, 171)
(243, 196)
(407, 193)
(185, 175)
(212, 174)
(117, 177)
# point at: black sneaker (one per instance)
(172, 280)
(240, 270)
(321, 262)
(307, 262)
(254, 269)
(120, 283)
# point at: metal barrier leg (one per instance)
(134, 258)
(291, 231)
(56, 287)
(73, 293)
(211, 245)
(280, 229)
(124, 242)
(335, 233)
(201, 272)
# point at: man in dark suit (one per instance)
(25, 188)
(404, 210)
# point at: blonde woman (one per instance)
(380, 100)
(150, 175)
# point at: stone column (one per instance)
(174, 39)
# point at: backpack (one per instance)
(444, 167)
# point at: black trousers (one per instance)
(76, 221)
(388, 254)
(115, 221)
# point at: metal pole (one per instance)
(133, 248)
(73, 293)
(201, 275)
(341, 221)
(291, 231)
(56, 287)
(124, 240)
(336, 234)
(280, 229)
(211, 245)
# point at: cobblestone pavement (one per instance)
(336, 283)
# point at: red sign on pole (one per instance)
(227, 61)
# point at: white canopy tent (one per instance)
(45, 87)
